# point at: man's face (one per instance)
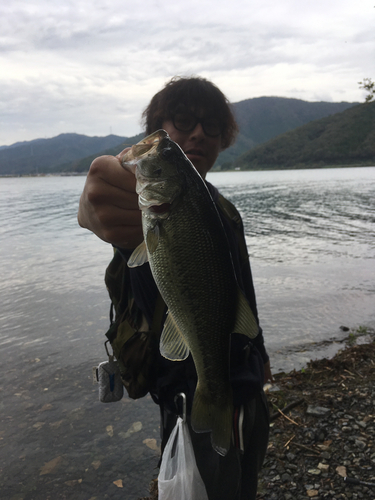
(201, 149)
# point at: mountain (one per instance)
(259, 119)
(46, 155)
(83, 164)
(262, 118)
(346, 138)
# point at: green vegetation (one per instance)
(361, 331)
(58, 154)
(83, 164)
(369, 86)
(346, 138)
(263, 118)
(352, 339)
(259, 119)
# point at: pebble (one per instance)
(317, 411)
(334, 436)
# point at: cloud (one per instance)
(91, 66)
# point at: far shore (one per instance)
(215, 170)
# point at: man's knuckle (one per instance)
(94, 195)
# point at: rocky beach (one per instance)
(322, 439)
(329, 435)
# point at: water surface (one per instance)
(311, 240)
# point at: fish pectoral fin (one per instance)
(245, 321)
(172, 343)
(139, 256)
(152, 238)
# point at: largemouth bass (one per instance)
(187, 248)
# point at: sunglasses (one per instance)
(186, 122)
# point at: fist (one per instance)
(109, 204)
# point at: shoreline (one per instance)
(59, 442)
(322, 428)
(213, 171)
(329, 434)
(324, 349)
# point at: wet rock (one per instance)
(317, 411)
(286, 478)
(312, 450)
(360, 444)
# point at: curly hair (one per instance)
(195, 94)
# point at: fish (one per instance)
(189, 255)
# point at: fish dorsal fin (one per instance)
(152, 238)
(139, 256)
(245, 322)
(172, 343)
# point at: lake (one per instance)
(311, 239)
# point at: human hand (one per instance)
(109, 204)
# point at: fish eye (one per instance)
(166, 153)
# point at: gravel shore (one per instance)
(322, 439)
(329, 435)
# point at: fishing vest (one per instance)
(136, 347)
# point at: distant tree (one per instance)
(369, 86)
(227, 165)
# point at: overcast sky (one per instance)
(91, 67)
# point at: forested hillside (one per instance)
(346, 138)
(48, 155)
(259, 120)
(263, 118)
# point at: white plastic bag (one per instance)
(179, 477)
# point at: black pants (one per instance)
(235, 476)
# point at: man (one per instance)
(196, 116)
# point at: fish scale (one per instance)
(187, 248)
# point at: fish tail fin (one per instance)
(217, 418)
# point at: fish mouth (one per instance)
(154, 208)
(160, 209)
(145, 147)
